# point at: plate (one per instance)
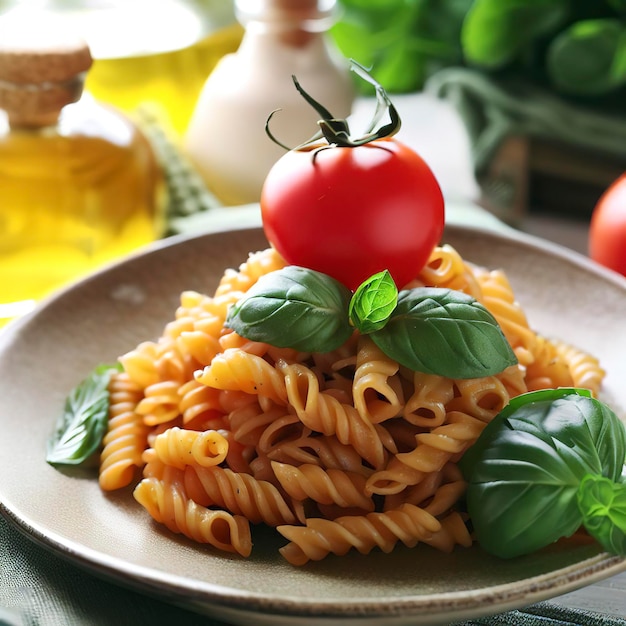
(45, 354)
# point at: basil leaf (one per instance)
(541, 394)
(589, 424)
(524, 471)
(602, 503)
(81, 426)
(584, 59)
(444, 332)
(294, 307)
(495, 33)
(373, 302)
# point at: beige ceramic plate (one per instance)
(43, 356)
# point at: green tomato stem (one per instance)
(336, 131)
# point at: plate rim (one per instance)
(210, 595)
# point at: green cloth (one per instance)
(495, 109)
(39, 588)
(188, 199)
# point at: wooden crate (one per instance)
(529, 174)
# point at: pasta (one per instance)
(126, 437)
(338, 451)
(242, 493)
(180, 447)
(408, 523)
(376, 387)
(323, 412)
(167, 504)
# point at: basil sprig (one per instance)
(602, 504)
(82, 424)
(433, 330)
(373, 302)
(549, 462)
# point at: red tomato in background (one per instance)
(607, 232)
(351, 212)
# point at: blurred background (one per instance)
(540, 85)
(518, 105)
(155, 52)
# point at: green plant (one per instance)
(576, 47)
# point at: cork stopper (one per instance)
(42, 69)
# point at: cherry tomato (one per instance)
(351, 212)
(607, 232)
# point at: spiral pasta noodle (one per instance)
(338, 451)
(126, 435)
(319, 537)
(330, 486)
(427, 404)
(167, 504)
(376, 397)
(324, 451)
(322, 412)
(239, 370)
(198, 403)
(180, 447)
(584, 368)
(497, 295)
(257, 500)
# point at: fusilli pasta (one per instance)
(338, 451)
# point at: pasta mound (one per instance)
(337, 451)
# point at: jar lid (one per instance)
(42, 69)
(32, 53)
(315, 15)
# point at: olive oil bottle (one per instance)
(79, 183)
(166, 83)
(153, 56)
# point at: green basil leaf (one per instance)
(391, 66)
(495, 33)
(444, 332)
(602, 503)
(373, 302)
(81, 426)
(587, 57)
(540, 395)
(603, 434)
(524, 471)
(294, 307)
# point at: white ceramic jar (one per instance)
(226, 138)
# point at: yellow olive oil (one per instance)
(167, 83)
(80, 184)
(73, 197)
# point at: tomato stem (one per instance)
(336, 131)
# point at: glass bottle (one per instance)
(79, 183)
(149, 55)
(226, 137)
